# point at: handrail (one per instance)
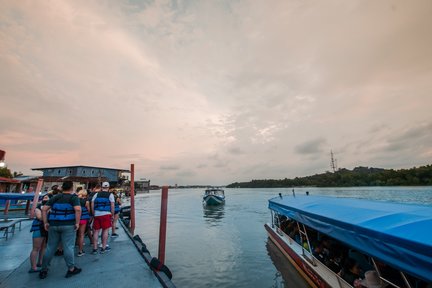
(340, 280)
(309, 255)
(387, 280)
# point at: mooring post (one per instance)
(163, 223)
(132, 200)
(36, 197)
(27, 207)
(6, 210)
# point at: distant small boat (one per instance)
(214, 196)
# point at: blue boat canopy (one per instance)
(397, 234)
(19, 196)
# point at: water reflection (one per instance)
(214, 214)
(286, 275)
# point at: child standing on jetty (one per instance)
(102, 206)
(39, 238)
(85, 217)
(117, 204)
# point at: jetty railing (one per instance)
(132, 199)
(157, 265)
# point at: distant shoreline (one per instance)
(358, 177)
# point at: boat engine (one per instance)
(125, 215)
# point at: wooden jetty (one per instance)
(126, 265)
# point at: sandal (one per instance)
(43, 274)
(75, 271)
(33, 270)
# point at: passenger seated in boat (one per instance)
(351, 271)
(284, 223)
(326, 246)
(318, 253)
(305, 245)
(361, 259)
(290, 227)
(335, 261)
(294, 234)
(321, 251)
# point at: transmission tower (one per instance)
(333, 162)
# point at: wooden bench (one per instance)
(8, 227)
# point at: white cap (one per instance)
(105, 185)
(372, 280)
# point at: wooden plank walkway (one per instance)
(123, 266)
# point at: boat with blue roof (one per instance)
(386, 244)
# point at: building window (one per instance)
(92, 171)
(83, 172)
(58, 171)
(70, 172)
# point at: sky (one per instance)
(215, 92)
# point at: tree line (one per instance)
(6, 173)
(359, 176)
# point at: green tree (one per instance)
(16, 174)
(5, 172)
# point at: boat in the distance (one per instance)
(343, 242)
(214, 196)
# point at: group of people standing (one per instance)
(64, 218)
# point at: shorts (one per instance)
(102, 222)
(83, 222)
(37, 234)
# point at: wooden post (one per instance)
(27, 207)
(6, 210)
(36, 197)
(132, 199)
(163, 224)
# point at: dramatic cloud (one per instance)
(311, 147)
(216, 91)
(169, 167)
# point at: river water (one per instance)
(227, 246)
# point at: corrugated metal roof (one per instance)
(26, 178)
(8, 180)
(72, 178)
(76, 166)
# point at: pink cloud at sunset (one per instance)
(213, 92)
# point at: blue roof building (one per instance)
(89, 175)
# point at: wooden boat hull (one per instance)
(299, 263)
(213, 200)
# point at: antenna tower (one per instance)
(333, 162)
